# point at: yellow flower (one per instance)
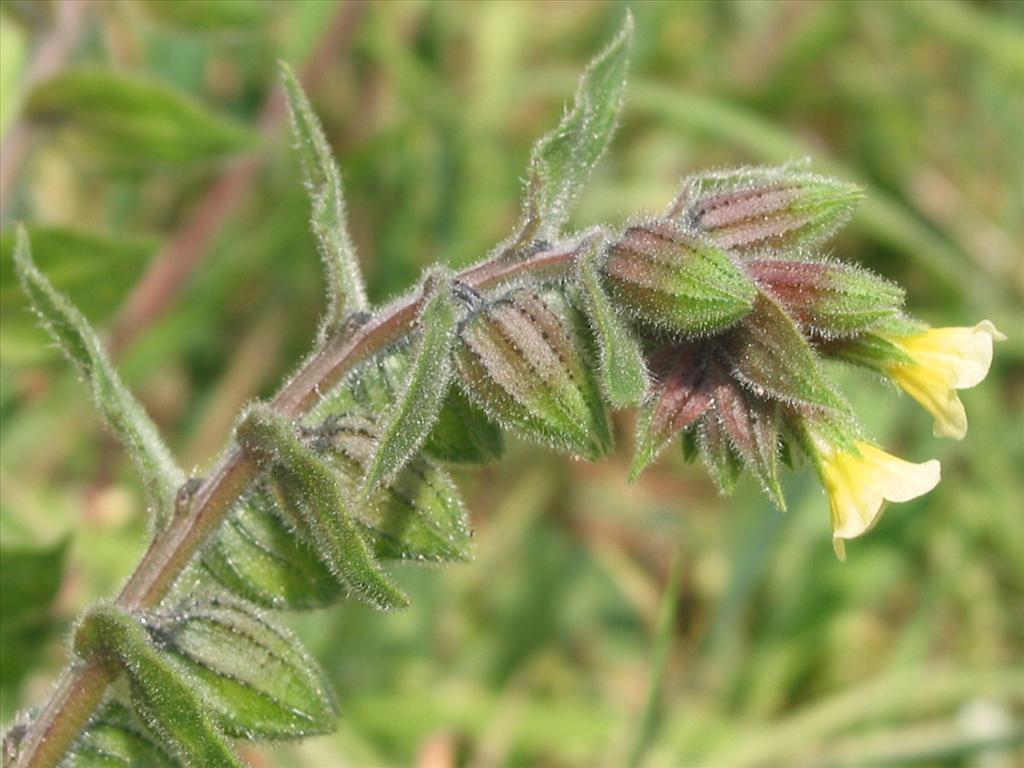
(860, 479)
(944, 360)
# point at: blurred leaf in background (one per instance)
(29, 581)
(541, 650)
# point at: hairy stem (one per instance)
(81, 687)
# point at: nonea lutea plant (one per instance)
(714, 319)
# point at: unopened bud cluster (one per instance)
(736, 310)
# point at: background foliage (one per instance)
(570, 639)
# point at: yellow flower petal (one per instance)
(937, 397)
(944, 360)
(861, 480)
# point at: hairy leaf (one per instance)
(418, 516)
(310, 491)
(676, 281)
(368, 391)
(252, 674)
(133, 119)
(409, 421)
(115, 739)
(164, 698)
(464, 434)
(718, 453)
(754, 210)
(868, 350)
(623, 370)
(770, 355)
(562, 161)
(257, 556)
(125, 415)
(345, 291)
(523, 361)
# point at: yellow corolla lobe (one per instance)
(944, 360)
(860, 479)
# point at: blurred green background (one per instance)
(571, 640)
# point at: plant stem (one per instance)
(82, 685)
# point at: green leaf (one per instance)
(134, 119)
(29, 581)
(345, 290)
(256, 556)
(418, 516)
(524, 362)
(464, 434)
(369, 390)
(115, 739)
(770, 355)
(252, 674)
(210, 15)
(409, 421)
(674, 280)
(164, 698)
(623, 370)
(311, 493)
(125, 415)
(562, 161)
(96, 269)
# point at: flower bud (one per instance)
(772, 358)
(828, 299)
(680, 397)
(734, 427)
(719, 455)
(522, 360)
(756, 210)
(752, 426)
(677, 281)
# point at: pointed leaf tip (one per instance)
(254, 675)
(124, 414)
(164, 698)
(409, 421)
(311, 493)
(562, 160)
(345, 290)
(622, 366)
